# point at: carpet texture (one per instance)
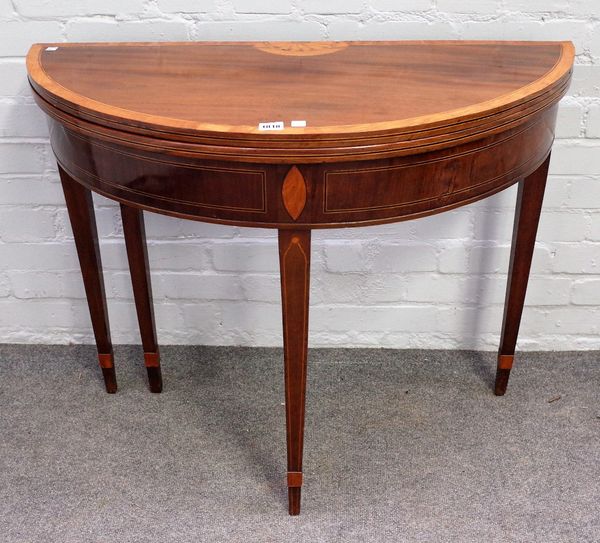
(399, 446)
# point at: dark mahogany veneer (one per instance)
(394, 131)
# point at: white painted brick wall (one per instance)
(436, 282)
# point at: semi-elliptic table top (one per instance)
(359, 100)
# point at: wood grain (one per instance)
(294, 259)
(80, 207)
(353, 193)
(293, 192)
(527, 216)
(134, 232)
(369, 96)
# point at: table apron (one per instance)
(321, 195)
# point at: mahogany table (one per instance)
(296, 136)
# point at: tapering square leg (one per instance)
(527, 216)
(294, 260)
(137, 254)
(80, 207)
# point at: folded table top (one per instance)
(360, 97)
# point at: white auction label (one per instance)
(277, 125)
(51, 48)
(298, 124)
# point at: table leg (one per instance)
(527, 216)
(80, 207)
(294, 260)
(137, 254)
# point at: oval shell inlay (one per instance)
(293, 192)
(301, 49)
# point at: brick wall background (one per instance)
(436, 282)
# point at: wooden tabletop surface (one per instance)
(372, 97)
(332, 86)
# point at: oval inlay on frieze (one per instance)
(293, 192)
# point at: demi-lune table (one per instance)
(296, 136)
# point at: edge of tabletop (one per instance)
(44, 85)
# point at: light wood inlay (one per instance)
(505, 361)
(294, 478)
(293, 192)
(301, 49)
(152, 360)
(106, 360)
(294, 264)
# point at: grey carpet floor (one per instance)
(400, 446)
